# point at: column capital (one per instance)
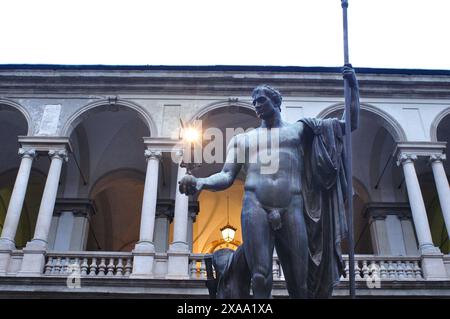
(405, 158)
(165, 208)
(61, 154)
(151, 154)
(164, 145)
(418, 149)
(78, 206)
(168, 214)
(379, 217)
(29, 153)
(179, 154)
(437, 158)
(380, 210)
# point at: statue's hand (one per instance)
(348, 73)
(189, 185)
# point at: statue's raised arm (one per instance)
(349, 75)
(189, 184)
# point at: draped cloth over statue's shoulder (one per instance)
(324, 187)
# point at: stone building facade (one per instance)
(90, 158)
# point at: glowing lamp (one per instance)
(191, 134)
(228, 231)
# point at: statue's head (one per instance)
(266, 100)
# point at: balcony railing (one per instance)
(366, 267)
(197, 266)
(385, 267)
(120, 264)
(89, 263)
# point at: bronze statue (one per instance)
(298, 209)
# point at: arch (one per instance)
(435, 124)
(16, 106)
(78, 116)
(246, 106)
(392, 126)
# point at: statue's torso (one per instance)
(273, 163)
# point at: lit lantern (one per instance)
(192, 139)
(191, 134)
(228, 231)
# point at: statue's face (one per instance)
(264, 106)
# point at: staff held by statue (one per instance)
(348, 163)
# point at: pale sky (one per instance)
(382, 33)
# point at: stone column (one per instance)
(432, 259)
(70, 225)
(164, 216)
(178, 253)
(17, 197)
(409, 237)
(34, 252)
(144, 251)
(181, 215)
(7, 240)
(443, 189)
(379, 235)
(418, 211)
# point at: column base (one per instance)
(5, 257)
(143, 258)
(178, 261)
(428, 249)
(33, 259)
(433, 264)
(6, 247)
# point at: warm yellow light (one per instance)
(228, 233)
(191, 134)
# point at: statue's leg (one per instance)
(291, 242)
(258, 246)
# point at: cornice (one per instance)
(239, 83)
(163, 144)
(420, 148)
(382, 209)
(45, 143)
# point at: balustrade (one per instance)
(369, 267)
(111, 264)
(92, 264)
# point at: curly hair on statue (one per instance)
(274, 94)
